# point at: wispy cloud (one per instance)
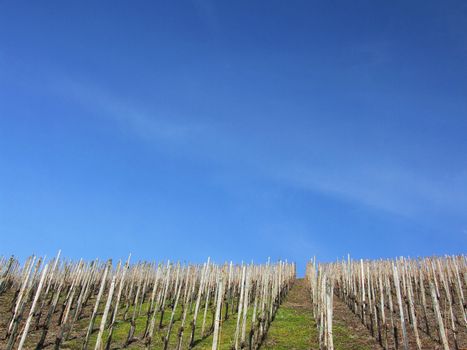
(129, 117)
(392, 188)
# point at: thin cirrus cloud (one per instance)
(126, 117)
(391, 188)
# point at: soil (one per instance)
(349, 332)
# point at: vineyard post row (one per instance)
(196, 299)
(400, 301)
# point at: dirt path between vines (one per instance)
(294, 327)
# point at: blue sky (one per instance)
(239, 130)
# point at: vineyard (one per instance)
(346, 305)
(96, 305)
(404, 303)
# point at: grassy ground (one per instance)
(292, 329)
(295, 329)
(202, 342)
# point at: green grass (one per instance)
(122, 328)
(292, 329)
(295, 329)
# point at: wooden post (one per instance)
(401, 307)
(117, 302)
(104, 316)
(439, 319)
(217, 322)
(33, 306)
(96, 306)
